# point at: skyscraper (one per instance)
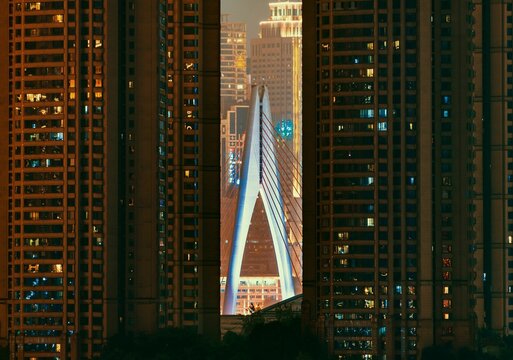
(234, 77)
(276, 63)
(111, 161)
(409, 239)
(276, 58)
(493, 56)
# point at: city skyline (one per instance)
(263, 223)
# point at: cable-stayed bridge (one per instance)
(269, 171)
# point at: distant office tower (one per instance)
(276, 59)
(110, 172)
(407, 208)
(234, 77)
(276, 62)
(233, 129)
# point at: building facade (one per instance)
(493, 57)
(408, 244)
(111, 156)
(277, 63)
(234, 77)
(276, 58)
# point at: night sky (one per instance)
(249, 11)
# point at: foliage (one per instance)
(4, 353)
(169, 343)
(489, 346)
(281, 340)
(249, 322)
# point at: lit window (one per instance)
(34, 6)
(33, 268)
(343, 249)
(369, 304)
(446, 275)
(382, 126)
(447, 304)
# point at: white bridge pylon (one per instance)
(259, 175)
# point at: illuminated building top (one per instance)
(285, 20)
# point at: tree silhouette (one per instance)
(281, 340)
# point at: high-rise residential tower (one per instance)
(110, 172)
(493, 59)
(406, 200)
